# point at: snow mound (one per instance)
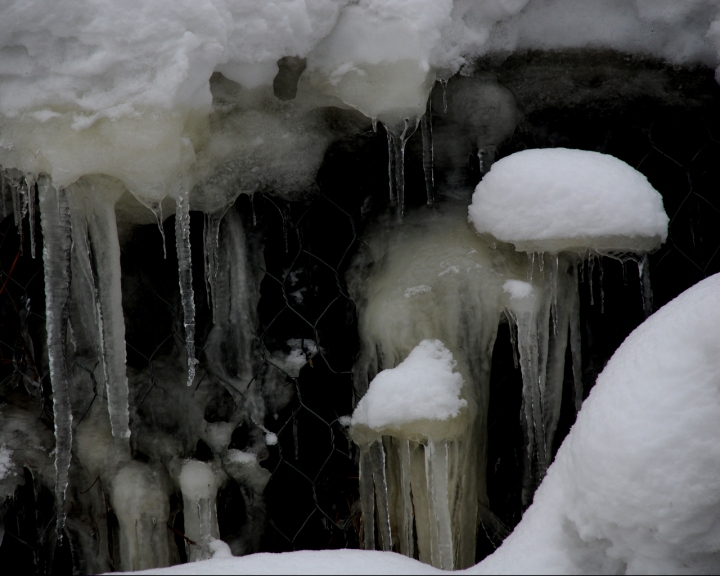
(420, 397)
(635, 487)
(550, 200)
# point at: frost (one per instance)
(5, 461)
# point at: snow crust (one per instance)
(424, 386)
(559, 199)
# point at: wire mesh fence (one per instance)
(311, 499)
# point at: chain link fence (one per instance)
(311, 498)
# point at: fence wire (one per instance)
(312, 497)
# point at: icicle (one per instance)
(155, 206)
(555, 270)
(602, 289)
(182, 241)
(95, 197)
(426, 127)
(377, 459)
(591, 268)
(212, 229)
(57, 235)
(374, 124)
(436, 467)
(513, 339)
(367, 498)
(541, 264)
(573, 306)
(406, 524)
(391, 168)
(397, 138)
(444, 83)
(31, 181)
(645, 288)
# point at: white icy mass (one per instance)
(550, 200)
(635, 487)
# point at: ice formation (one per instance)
(432, 307)
(561, 206)
(119, 114)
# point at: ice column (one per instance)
(95, 198)
(199, 489)
(139, 497)
(57, 234)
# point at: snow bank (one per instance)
(420, 396)
(550, 200)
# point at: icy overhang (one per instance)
(554, 200)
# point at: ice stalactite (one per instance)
(155, 206)
(645, 287)
(199, 489)
(546, 315)
(211, 233)
(94, 198)
(31, 182)
(398, 135)
(426, 127)
(57, 234)
(437, 295)
(139, 496)
(187, 295)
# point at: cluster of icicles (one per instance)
(424, 493)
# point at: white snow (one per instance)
(635, 487)
(560, 199)
(517, 289)
(424, 386)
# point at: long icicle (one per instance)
(57, 243)
(102, 226)
(30, 181)
(182, 241)
(377, 459)
(367, 498)
(427, 141)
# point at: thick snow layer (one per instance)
(123, 88)
(635, 487)
(560, 199)
(423, 387)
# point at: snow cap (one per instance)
(420, 398)
(553, 200)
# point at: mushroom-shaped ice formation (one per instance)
(417, 416)
(561, 206)
(553, 200)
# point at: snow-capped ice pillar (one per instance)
(418, 410)
(560, 206)
(94, 198)
(428, 313)
(57, 243)
(199, 489)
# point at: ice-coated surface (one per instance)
(424, 386)
(549, 200)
